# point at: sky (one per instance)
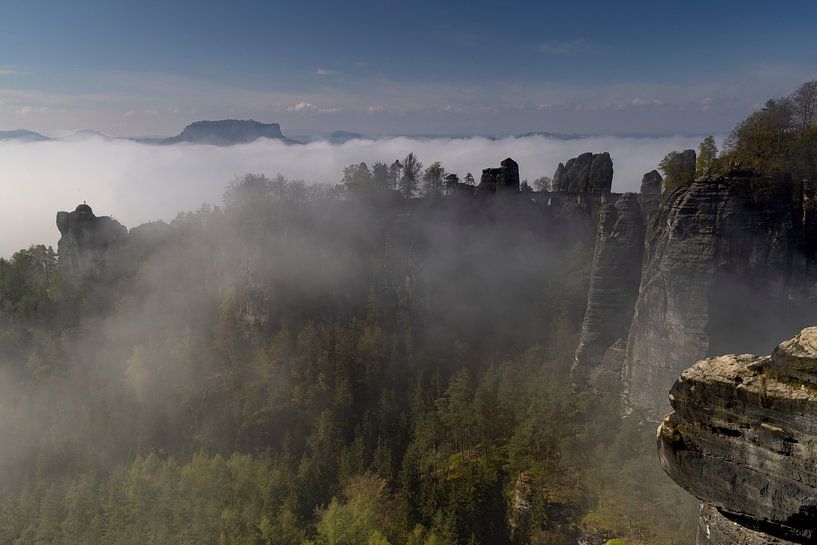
(383, 67)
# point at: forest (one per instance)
(341, 365)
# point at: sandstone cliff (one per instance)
(504, 178)
(724, 270)
(613, 289)
(587, 173)
(87, 240)
(743, 439)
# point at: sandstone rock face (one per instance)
(716, 529)
(720, 274)
(652, 188)
(687, 160)
(651, 183)
(743, 439)
(587, 173)
(86, 240)
(614, 281)
(504, 178)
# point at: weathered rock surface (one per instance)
(686, 164)
(716, 529)
(651, 183)
(86, 240)
(652, 189)
(587, 173)
(743, 439)
(614, 281)
(721, 274)
(504, 178)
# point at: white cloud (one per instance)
(308, 107)
(303, 107)
(324, 72)
(137, 182)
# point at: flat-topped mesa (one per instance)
(228, 132)
(743, 439)
(724, 270)
(504, 179)
(613, 289)
(86, 240)
(587, 173)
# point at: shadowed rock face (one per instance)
(587, 173)
(723, 272)
(743, 439)
(651, 183)
(613, 289)
(86, 240)
(716, 529)
(504, 178)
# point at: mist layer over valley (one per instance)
(136, 182)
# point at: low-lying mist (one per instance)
(138, 182)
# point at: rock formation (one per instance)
(86, 240)
(504, 178)
(651, 183)
(587, 173)
(613, 286)
(687, 160)
(227, 132)
(743, 439)
(723, 271)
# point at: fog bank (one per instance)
(136, 182)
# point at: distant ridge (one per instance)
(228, 132)
(555, 135)
(23, 135)
(339, 137)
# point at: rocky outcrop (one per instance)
(505, 178)
(613, 289)
(742, 437)
(587, 173)
(651, 183)
(716, 529)
(686, 164)
(227, 132)
(87, 240)
(722, 273)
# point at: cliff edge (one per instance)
(742, 438)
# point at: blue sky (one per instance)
(387, 67)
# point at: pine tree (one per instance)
(707, 155)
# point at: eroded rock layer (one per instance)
(716, 529)
(742, 437)
(587, 173)
(613, 286)
(722, 272)
(86, 240)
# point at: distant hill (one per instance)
(555, 135)
(227, 132)
(339, 137)
(23, 135)
(86, 134)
